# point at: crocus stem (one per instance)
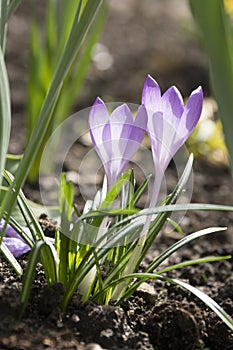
(136, 256)
(156, 187)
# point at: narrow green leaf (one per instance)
(3, 23)
(135, 213)
(168, 252)
(114, 191)
(49, 257)
(207, 259)
(218, 40)
(66, 198)
(21, 231)
(11, 259)
(5, 114)
(140, 190)
(175, 226)
(208, 301)
(29, 274)
(74, 41)
(26, 212)
(179, 244)
(202, 296)
(12, 162)
(11, 8)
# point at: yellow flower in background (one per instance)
(228, 5)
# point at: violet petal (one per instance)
(121, 121)
(98, 117)
(192, 113)
(172, 105)
(16, 246)
(151, 95)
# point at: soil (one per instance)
(168, 318)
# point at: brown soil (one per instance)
(172, 319)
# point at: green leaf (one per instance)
(207, 259)
(168, 252)
(135, 213)
(12, 162)
(16, 212)
(202, 296)
(5, 114)
(3, 23)
(78, 31)
(26, 212)
(66, 198)
(179, 244)
(10, 257)
(216, 31)
(207, 300)
(115, 190)
(175, 226)
(141, 190)
(11, 8)
(66, 27)
(29, 273)
(73, 84)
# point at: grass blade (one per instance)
(26, 212)
(179, 244)
(11, 8)
(10, 257)
(74, 82)
(5, 114)
(74, 41)
(208, 301)
(207, 259)
(202, 296)
(135, 213)
(29, 274)
(3, 23)
(217, 36)
(168, 252)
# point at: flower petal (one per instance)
(98, 117)
(151, 95)
(191, 115)
(155, 132)
(137, 133)
(140, 125)
(104, 149)
(16, 246)
(172, 105)
(121, 121)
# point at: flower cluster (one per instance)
(117, 137)
(168, 122)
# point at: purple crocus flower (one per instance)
(170, 123)
(116, 138)
(13, 241)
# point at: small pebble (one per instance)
(75, 318)
(147, 292)
(107, 333)
(93, 346)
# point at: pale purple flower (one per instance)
(170, 123)
(116, 138)
(16, 246)
(13, 241)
